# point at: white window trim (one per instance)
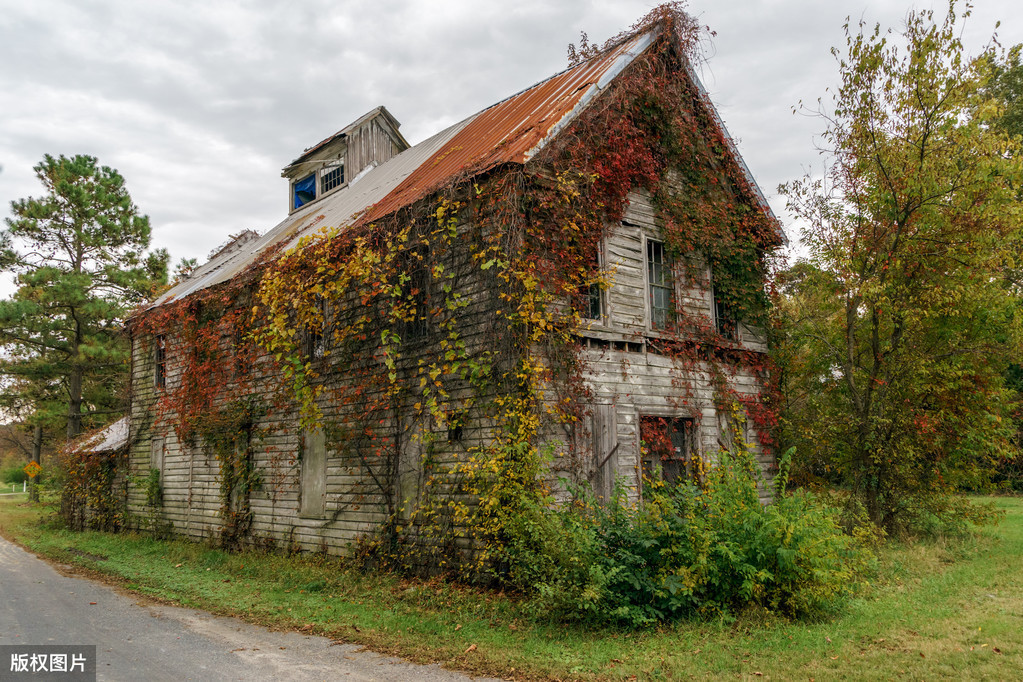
(647, 303)
(604, 320)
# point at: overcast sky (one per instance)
(200, 104)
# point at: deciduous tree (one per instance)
(901, 316)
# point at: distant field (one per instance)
(945, 609)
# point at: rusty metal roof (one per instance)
(511, 131)
(514, 129)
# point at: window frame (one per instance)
(669, 265)
(725, 325)
(685, 460)
(416, 265)
(585, 294)
(160, 361)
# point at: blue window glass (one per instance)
(304, 190)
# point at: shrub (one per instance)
(14, 474)
(688, 550)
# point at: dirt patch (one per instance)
(85, 555)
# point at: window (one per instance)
(670, 448)
(662, 285)
(316, 339)
(156, 451)
(303, 191)
(456, 420)
(604, 434)
(313, 493)
(160, 362)
(332, 176)
(591, 297)
(724, 320)
(154, 484)
(417, 326)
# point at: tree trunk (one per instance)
(74, 405)
(37, 456)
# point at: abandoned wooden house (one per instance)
(573, 276)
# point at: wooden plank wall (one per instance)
(624, 370)
(626, 377)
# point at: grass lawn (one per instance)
(942, 610)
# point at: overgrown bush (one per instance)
(13, 474)
(688, 550)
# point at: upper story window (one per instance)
(315, 340)
(317, 184)
(332, 176)
(303, 191)
(661, 282)
(724, 320)
(416, 268)
(591, 297)
(160, 361)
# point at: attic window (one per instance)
(332, 176)
(304, 191)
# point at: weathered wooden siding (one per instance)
(625, 371)
(626, 376)
(354, 506)
(366, 144)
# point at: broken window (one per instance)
(332, 176)
(662, 285)
(160, 361)
(303, 191)
(670, 448)
(313, 492)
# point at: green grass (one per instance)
(945, 609)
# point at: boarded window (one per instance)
(303, 191)
(604, 422)
(313, 493)
(160, 362)
(156, 451)
(670, 444)
(662, 285)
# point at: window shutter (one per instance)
(605, 445)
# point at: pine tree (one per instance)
(80, 256)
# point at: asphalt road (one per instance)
(135, 641)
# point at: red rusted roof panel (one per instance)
(509, 130)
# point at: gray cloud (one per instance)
(200, 105)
